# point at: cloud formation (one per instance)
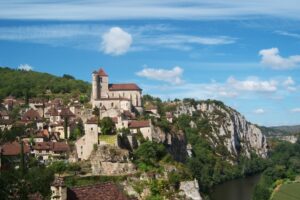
(171, 76)
(116, 41)
(271, 58)
(25, 67)
(155, 9)
(253, 84)
(259, 111)
(295, 110)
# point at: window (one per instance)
(100, 79)
(91, 129)
(112, 104)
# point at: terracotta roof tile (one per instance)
(92, 120)
(124, 86)
(66, 112)
(13, 148)
(31, 115)
(139, 124)
(101, 72)
(104, 191)
(52, 112)
(51, 146)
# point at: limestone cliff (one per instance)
(226, 127)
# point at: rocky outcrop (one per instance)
(175, 142)
(110, 160)
(228, 128)
(190, 190)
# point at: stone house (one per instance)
(85, 144)
(46, 150)
(103, 191)
(143, 126)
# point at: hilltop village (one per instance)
(98, 137)
(65, 139)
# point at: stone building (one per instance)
(121, 97)
(85, 144)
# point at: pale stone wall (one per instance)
(58, 193)
(147, 132)
(85, 144)
(190, 189)
(60, 129)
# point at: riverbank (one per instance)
(238, 189)
(288, 190)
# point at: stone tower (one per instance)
(99, 85)
(95, 86)
(103, 83)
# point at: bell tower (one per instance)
(103, 84)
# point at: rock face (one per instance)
(175, 142)
(190, 189)
(228, 128)
(109, 160)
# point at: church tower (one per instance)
(95, 86)
(103, 84)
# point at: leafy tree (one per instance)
(148, 154)
(107, 126)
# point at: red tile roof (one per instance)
(101, 72)
(52, 146)
(139, 124)
(92, 120)
(124, 86)
(13, 148)
(52, 112)
(66, 112)
(104, 191)
(31, 115)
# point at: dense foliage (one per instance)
(107, 126)
(210, 165)
(27, 84)
(284, 164)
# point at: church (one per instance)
(114, 97)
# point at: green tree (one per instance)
(107, 126)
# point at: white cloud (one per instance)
(295, 110)
(25, 67)
(259, 111)
(155, 9)
(285, 33)
(116, 41)
(171, 76)
(253, 84)
(289, 81)
(271, 58)
(248, 88)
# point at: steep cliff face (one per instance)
(223, 126)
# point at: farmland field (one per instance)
(289, 191)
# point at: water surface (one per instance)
(239, 189)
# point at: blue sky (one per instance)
(245, 54)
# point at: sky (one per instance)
(246, 54)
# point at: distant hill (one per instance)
(280, 130)
(27, 84)
(288, 129)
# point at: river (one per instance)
(238, 189)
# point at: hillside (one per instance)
(27, 84)
(280, 130)
(220, 142)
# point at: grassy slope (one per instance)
(21, 83)
(289, 191)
